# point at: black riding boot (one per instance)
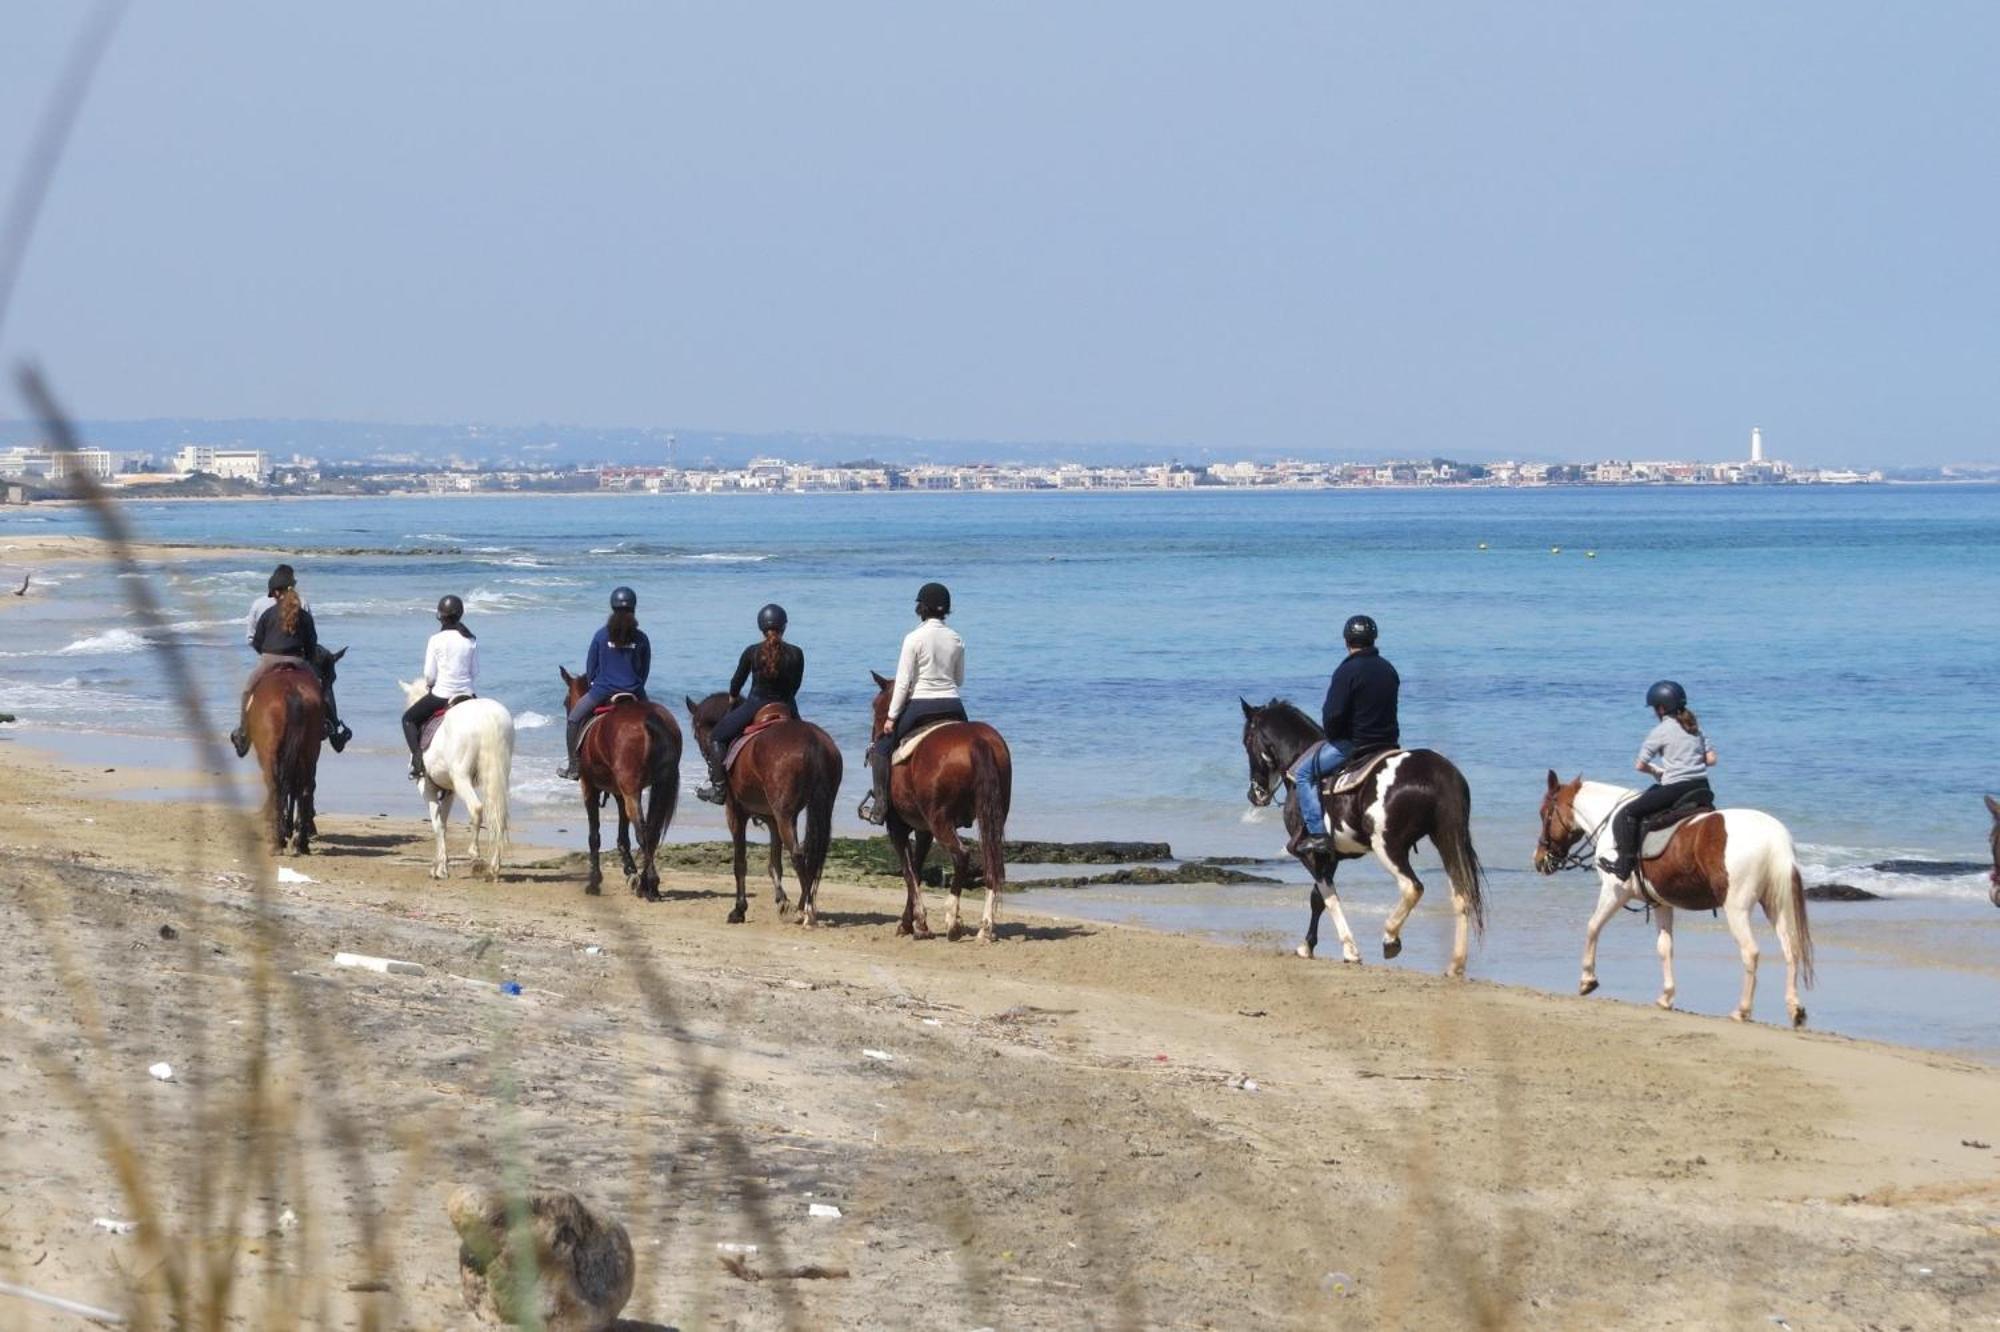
(240, 741)
(337, 733)
(716, 792)
(572, 732)
(875, 809)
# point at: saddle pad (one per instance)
(763, 723)
(915, 739)
(1655, 841)
(1356, 773)
(429, 733)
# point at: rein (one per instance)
(1584, 847)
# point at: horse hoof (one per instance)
(924, 932)
(1798, 1018)
(1351, 959)
(988, 937)
(1587, 987)
(1303, 951)
(593, 890)
(955, 933)
(1665, 1003)
(1391, 947)
(904, 931)
(737, 916)
(1454, 973)
(1739, 1016)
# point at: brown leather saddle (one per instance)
(767, 716)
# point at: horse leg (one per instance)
(785, 842)
(304, 817)
(1738, 916)
(638, 876)
(1788, 943)
(738, 860)
(1397, 862)
(440, 803)
(961, 871)
(1665, 943)
(1318, 909)
(595, 883)
(912, 848)
(1610, 896)
(1461, 907)
(467, 790)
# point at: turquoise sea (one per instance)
(1842, 646)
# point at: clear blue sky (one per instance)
(1558, 229)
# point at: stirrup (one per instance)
(338, 735)
(870, 810)
(568, 772)
(712, 793)
(240, 743)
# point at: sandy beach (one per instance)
(1062, 1133)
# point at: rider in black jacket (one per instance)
(1359, 718)
(774, 670)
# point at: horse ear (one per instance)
(692, 705)
(1248, 711)
(1555, 783)
(1993, 805)
(338, 655)
(880, 683)
(563, 671)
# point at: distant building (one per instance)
(229, 464)
(100, 464)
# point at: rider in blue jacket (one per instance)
(1359, 718)
(619, 660)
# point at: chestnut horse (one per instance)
(963, 774)
(1726, 861)
(286, 720)
(632, 751)
(1993, 806)
(782, 769)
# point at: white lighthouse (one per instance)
(1756, 445)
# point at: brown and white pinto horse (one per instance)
(1411, 795)
(786, 766)
(1993, 807)
(1723, 861)
(286, 720)
(962, 775)
(633, 752)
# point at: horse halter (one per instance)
(1570, 848)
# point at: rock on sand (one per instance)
(583, 1260)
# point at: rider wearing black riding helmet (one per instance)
(1678, 754)
(619, 660)
(451, 669)
(266, 637)
(928, 675)
(773, 669)
(1359, 717)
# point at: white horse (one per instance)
(471, 756)
(1727, 861)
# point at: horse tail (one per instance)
(494, 775)
(992, 793)
(1451, 834)
(1784, 899)
(291, 751)
(664, 789)
(822, 788)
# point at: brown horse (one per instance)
(1993, 806)
(962, 775)
(286, 720)
(633, 751)
(784, 767)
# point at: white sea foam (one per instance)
(727, 557)
(1855, 866)
(111, 640)
(431, 536)
(529, 721)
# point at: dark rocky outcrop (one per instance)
(1840, 892)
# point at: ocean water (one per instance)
(1839, 645)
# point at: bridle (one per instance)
(1571, 848)
(1279, 774)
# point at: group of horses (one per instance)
(783, 769)
(786, 768)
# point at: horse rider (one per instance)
(773, 669)
(1678, 756)
(1359, 718)
(928, 675)
(619, 660)
(451, 669)
(276, 644)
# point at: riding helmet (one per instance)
(1668, 695)
(624, 598)
(450, 609)
(935, 598)
(1360, 631)
(280, 579)
(771, 617)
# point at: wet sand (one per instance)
(1061, 1137)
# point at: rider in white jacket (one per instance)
(451, 669)
(928, 675)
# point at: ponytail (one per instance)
(458, 626)
(288, 609)
(771, 654)
(622, 628)
(1687, 720)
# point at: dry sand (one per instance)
(1055, 1142)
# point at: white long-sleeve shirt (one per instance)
(932, 666)
(451, 664)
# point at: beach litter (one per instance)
(740, 1250)
(114, 1227)
(286, 874)
(1337, 1284)
(1975, 1144)
(162, 1070)
(825, 1211)
(594, 950)
(510, 987)
(883, 1055)
(388, 966)
(169, 933)
(47, 1301)
(1242, 1083)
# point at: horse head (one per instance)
(706, 715)
(326, 663)
(1274, 736)
(883, 687)
(1560, 830)
(1993, 807)
(412, 690)
(576, 685)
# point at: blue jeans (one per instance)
(596, 699)
(1306, 774)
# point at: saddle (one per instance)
(915, 739)
(767, 716)
(1658, 830)
(1355, 771)
(429, 733)
(597, 714)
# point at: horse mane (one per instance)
(1289, 716)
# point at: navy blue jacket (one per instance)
(613, 669)
(1360, 711)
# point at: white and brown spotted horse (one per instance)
(1727, 860)
(1410, 795)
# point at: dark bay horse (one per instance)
(1411, 795)
(633, 752)
(963, 774)
(785, 768)
(286, 721)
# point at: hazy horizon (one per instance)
(1571, 233)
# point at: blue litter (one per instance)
(510, 987)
